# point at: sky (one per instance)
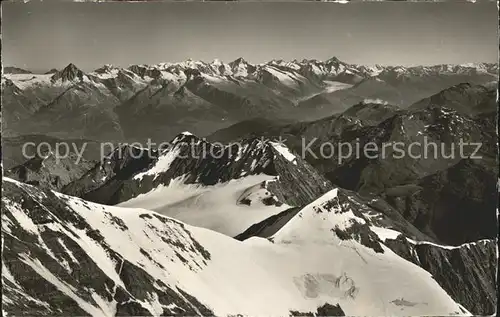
(40, 36)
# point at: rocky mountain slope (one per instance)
(64, 255)
(50, 171)
(433, 190)
(472, 264)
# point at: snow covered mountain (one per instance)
(173, 97)
(374, 220)
(129, 172)
(63, 255)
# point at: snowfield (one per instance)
(215, 207)
(284, 151)
(303, 266)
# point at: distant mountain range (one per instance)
(159, 101)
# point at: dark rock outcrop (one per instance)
(455, 206)
(269, 226)
(101, 182)
(467, 272)
(325, 310)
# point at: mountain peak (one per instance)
(276, 61)
(69, 73)
(217, 61)
(239, 60)
(333, 60)
(185, 137)
(105, 68)
(71, 67)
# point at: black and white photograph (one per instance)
(249, 158)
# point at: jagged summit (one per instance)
(69, 74)
(239, 60)
(460, 87)
(333, 60)
(71, 68)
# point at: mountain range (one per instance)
(112, 103)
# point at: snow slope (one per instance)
(216, 207)
(305, 267)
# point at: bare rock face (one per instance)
(466, 272)
(121, 164)
(325, 310)
(456, 205)
(269, 226)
